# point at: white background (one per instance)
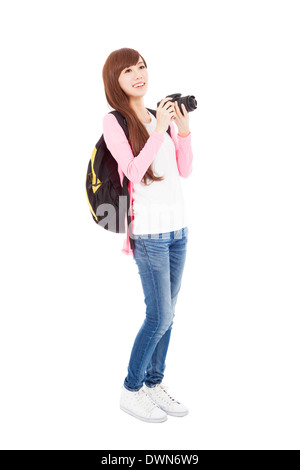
(72, 302)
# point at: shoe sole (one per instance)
(148, 420)
(178, 414)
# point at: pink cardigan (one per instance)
(135, 167)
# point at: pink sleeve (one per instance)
(184, 154)
(117, 143)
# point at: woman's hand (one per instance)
(164, 113)
(181, 120)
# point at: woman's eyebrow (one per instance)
(132, 66)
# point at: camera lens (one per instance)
(192, 102)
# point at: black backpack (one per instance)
(107, 199)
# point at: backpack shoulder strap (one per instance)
(121, 120)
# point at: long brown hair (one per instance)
(138, 135)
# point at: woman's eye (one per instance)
(142, 66)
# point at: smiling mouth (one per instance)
(139, 86)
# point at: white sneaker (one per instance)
(160, 394)
(141, 406)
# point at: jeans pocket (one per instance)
(139, 247)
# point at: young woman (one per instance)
(153, 163)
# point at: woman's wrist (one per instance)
(184, 132)
(160, 131)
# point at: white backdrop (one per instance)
(72, 302)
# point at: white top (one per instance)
(159, 207)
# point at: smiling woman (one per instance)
(159, 231)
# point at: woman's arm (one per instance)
(184, 153)
(117, 143)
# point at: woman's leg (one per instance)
(177, 255)
(160, 262)
(152, 258)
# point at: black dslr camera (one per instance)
(189, 101)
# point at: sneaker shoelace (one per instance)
(163, 393)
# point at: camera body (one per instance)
(189, 101)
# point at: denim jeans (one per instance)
(160, 259)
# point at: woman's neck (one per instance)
(141, 111)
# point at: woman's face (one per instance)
(133, 75)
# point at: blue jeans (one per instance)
(160, 259)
